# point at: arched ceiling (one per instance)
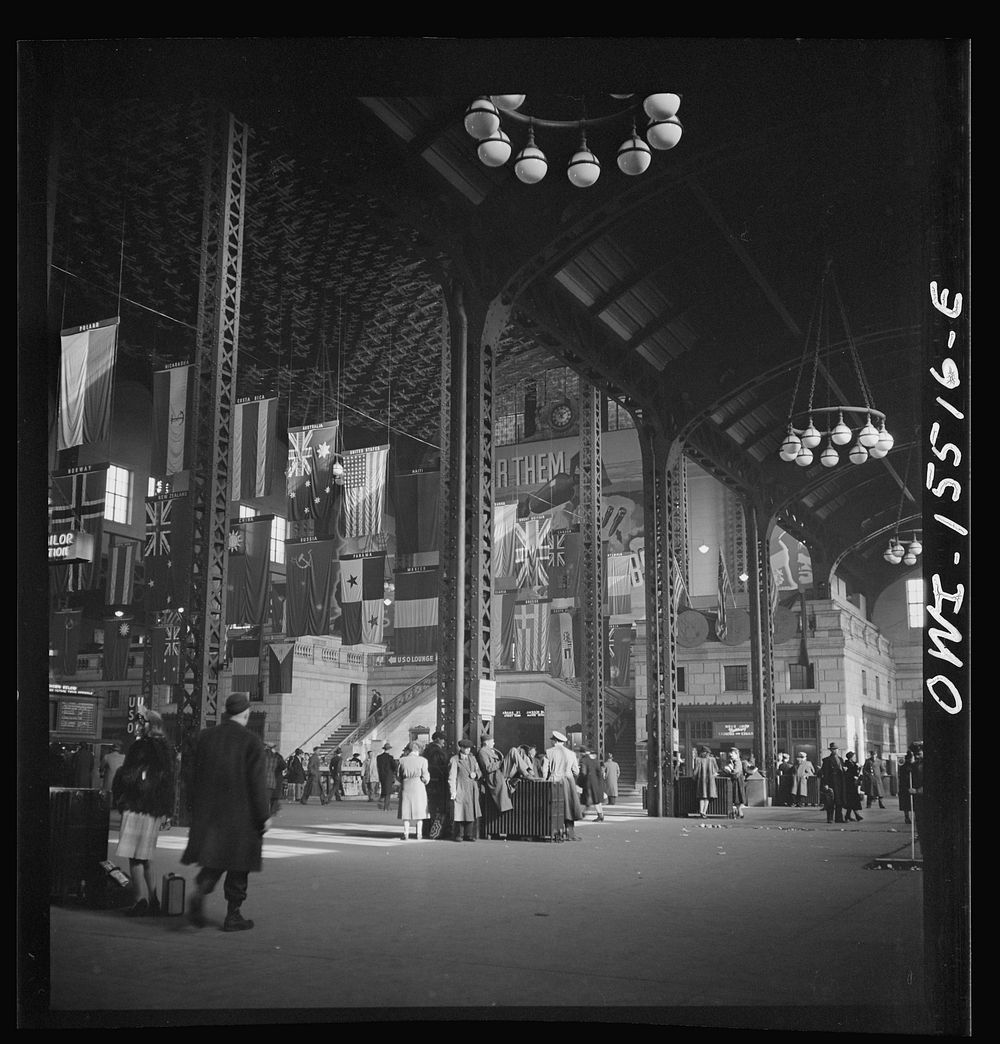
(687, 291)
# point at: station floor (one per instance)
(774, 921)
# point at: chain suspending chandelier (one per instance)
(483, 121)
(803, 437)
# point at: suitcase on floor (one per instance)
(172, 895)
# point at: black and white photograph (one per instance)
(582, 473)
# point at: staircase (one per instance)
(335, 740)
(621, 743)
(352, 733)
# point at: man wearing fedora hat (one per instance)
(464, 774)
(386, 776)
(833, 785)
(229, 809)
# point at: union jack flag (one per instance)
(533, 551)
(172, 642)
(299, 453)
(76, 504)
(158, 521)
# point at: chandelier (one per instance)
(803, 437)
(483, 121)
(899, 552)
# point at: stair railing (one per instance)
(302, 745)
(401, 699)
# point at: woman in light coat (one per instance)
(612, 770)
(800, 779)
(413, 774)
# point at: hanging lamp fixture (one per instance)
(861, 424)
(484, 117)
(900, 552)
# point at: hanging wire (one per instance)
(822, 318)
(853, 351)
(802, 363)
(121, 254)
(903, 491)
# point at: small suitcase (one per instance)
(172, 895)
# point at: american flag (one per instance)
(364, 490)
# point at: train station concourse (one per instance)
(611, 449)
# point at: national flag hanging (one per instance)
(532, 550)
(415, 624)
(309, 586)
(86, 379)
(248, 570)
(504, 539)
(362, 590)
(167, 552)
(502, 630)
(76, 504)
(64, 639)
(117, 640)
(417, 506)
(531, 635)
(173, 420)
(364, 490)
(121, 572)
(308, 483)
(725, 594)
(564, 563)
(244, 655)
(165, 645)
(562, 649)
(254, 426)
(280, 660)
(619, 584)
(681, 599)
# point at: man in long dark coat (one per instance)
(229, 809)
(386, 775)
(831, 779)
(494, 781)
(437, 790)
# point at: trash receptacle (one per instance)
(79, 822)
(812, 790)
(756, 791)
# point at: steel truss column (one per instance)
(451, 608)
(467, 483)
(215, 362)
(592, 569)
(662, 468)
(765, 723)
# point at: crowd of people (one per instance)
(232, 785)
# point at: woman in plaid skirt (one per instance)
(146, 801)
